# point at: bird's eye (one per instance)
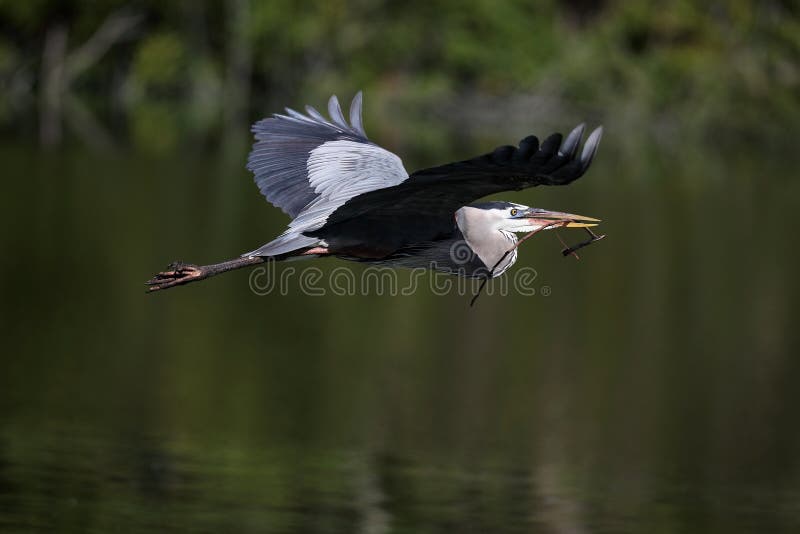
(514, 212)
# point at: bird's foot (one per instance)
(177, 273)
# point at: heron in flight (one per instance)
(349, 198)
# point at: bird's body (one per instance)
(352, 199)
(470, 247)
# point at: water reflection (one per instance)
(83, 481)
(653, 389)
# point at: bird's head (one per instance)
(511, 217)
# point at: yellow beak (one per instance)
(541, 216)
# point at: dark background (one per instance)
(651, 386)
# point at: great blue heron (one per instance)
(354, 200)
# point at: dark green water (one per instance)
(653, 389)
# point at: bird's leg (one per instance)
(179, 273)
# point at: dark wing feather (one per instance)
(422, 207)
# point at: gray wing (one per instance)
(310, 166)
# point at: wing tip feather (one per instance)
(356, 120)
(335, 111)
(590, 148)
(573, 140)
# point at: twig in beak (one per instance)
(592, 238)
(566, 247)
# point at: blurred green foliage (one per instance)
(161, 63)
(682, 68)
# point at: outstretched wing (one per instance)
(297, 159)
(421, 208)
(310, 166)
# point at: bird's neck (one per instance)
(490, 244)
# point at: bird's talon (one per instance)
(178, 273)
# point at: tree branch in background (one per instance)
(239, 70)
(83, 122)
(115, 28)
(52, 85)
(60, 70)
